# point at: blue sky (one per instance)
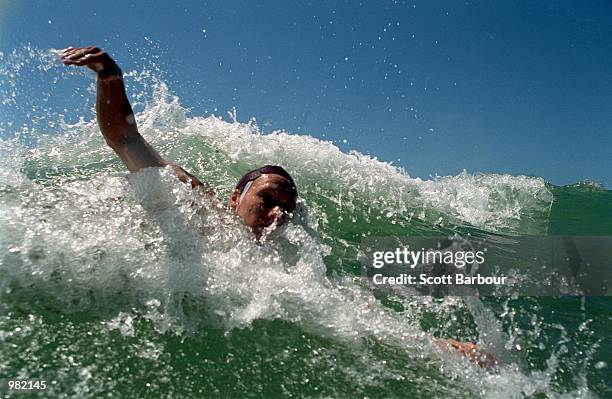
(517, 87)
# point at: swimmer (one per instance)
(262, 197)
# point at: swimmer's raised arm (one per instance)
(115, 115)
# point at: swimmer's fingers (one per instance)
(72, 54)
(469, 350)
(91, 56)
(74, 50)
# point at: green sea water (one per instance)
(136, 286)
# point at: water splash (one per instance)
(151, 258)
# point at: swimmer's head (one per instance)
(264, 196)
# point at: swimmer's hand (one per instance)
(92, 57)
(469, 350)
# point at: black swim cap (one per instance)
(267, 169)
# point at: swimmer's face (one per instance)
(270, 198)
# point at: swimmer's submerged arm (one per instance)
(115, 115)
